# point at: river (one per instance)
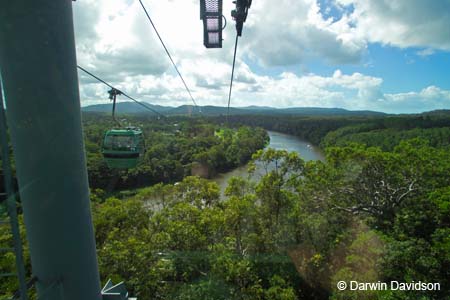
(278, 141)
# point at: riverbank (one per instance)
(278, 141)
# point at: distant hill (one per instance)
(125, 108)
(209, 110)
(438, 112)
(326, 111)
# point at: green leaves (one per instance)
(367, 213)
(173, 151)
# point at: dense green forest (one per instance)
(176, 147)
(385, 132)
(377, 209)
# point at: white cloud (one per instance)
(425, 52)
(116, 42)
(289, 90)
(429, 98)
(287, 32)
(403, 23)
(355, 92)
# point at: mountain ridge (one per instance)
(134, 108)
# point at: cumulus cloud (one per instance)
(116, 42)
(431, 98)
(351, 91)
(402, 23)
(354, 91)
(112, 41)
(288, 32)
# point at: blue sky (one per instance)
(390, 56)
(403, 70)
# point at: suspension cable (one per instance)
(232, 75)
(124, 94)
(168, 54)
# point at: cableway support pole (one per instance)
(38, 67)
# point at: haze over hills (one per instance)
(134, 108)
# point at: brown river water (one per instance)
(278, 141)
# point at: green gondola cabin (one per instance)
(123, 148)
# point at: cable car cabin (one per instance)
(123, 148)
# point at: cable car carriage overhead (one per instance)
(122, 148)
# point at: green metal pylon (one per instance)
(40, 82)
